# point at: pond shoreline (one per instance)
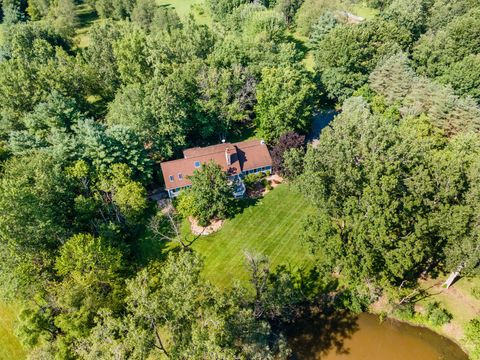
(345, 335)
(423, 326)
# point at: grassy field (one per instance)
(458, 299)
(183, 8)
(363, 10)
(10, 347)
(86, 18)
(271, 227)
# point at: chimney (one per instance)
(228, 156)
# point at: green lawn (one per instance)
(363, 10)
(183, 7)
(10, 347)
(271, 227)
(458, 299)
(86, 18)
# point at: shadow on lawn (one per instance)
(86, 15)
(239, 206)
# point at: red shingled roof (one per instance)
(246, 155)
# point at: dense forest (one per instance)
(394, 179)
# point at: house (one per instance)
(237, 160)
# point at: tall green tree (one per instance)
(91, 272)
(369, 180)
(36, 216)
(210, 194)
(285, 100)
(348, 53)
(226, 97)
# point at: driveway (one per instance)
(320, 121)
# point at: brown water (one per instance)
(344, 336)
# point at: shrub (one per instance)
(353, 301)
(289, 140)
(472, 335)
(475, 292)
(251, 179)
(436, 315)
(404, 311)
(185, 204)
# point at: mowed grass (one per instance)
(363, 10)
(183, 9)
(10, 347)
(458, 299)
(271, 227)
(86, 18)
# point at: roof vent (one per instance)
(223, 141)
(262, 142)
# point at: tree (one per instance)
(102, 147)
(416, 95)
(172, 298)
(322, 27)
(311, 11)
(143, 13)
(348, 53)
(33, 187)
(90, 270)
(127, 198)
(115, 9)
(444, 11)
(165, 19)
(464, 76)
(286, 142)
(166, 224)
(411, 15)
(210, 193)
(285, 99)
(162, 112)
(181, 45)
(101, 57)
(435, 53)
(131, 53)
(12, 14)
(63, 16)
(472, 335)
(365, 194)
(288, 8)
(38, 62)
(264, 26)
(293, 163)
(226, 96)
(169, 297)
(38, 9)
(221, 8)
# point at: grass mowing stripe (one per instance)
(271, 226)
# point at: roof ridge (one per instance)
(204, 154)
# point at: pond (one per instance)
(344, 336)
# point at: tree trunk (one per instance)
(453, 276)
(460, 267)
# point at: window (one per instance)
(196, 164)
(171, 178)
(180, 176)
